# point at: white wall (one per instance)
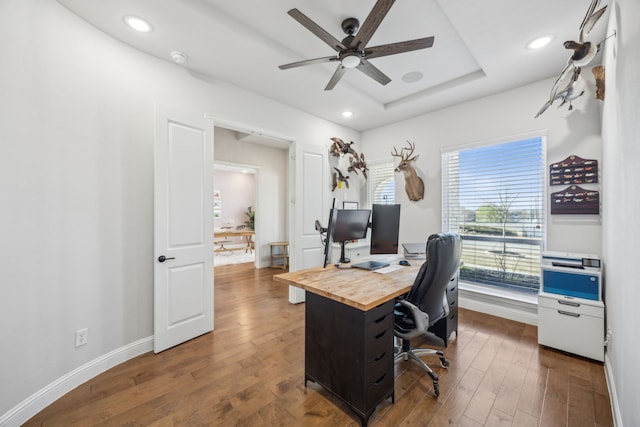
(621, 228)
(505, 115)
(237, 193)
(76, 186)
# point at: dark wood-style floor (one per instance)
(250, 372)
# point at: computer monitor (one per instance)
(328, 233)
(385, 229)
(350, 224)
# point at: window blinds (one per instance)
(494, 196)
(382, 183)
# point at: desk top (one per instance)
(234, 233)
(355, 287)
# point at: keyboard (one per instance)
(370, 265)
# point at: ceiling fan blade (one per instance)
(400, 47)
(371, 24)
(337, 75)
(371, 71)
(317, 30)
(308, 62)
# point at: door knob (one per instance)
(163, 258)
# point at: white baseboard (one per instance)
(615, 408)
(52, 392)
(524, 310)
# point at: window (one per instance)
(382, 184)
(494, 196)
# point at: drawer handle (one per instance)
(381, 334)
(379, 358)
(571, 303)
(379, 380)
(380, 319)
(566, 313)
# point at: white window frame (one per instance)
(450, 224)
(379, 172)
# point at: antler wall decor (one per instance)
(413, 184)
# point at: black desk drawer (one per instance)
(377, 312)
(381, 388)
(376, 366)
(380, 325)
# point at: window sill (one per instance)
(497, 302)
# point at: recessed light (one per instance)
(347, 114)
(138, 24)
(539, 42)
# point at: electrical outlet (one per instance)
(82, 337)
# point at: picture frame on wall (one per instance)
(349, 205)
(216, 194)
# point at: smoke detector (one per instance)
(178, 57)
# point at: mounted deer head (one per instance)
(413, 184)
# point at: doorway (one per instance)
(266, 158)
(234, 207)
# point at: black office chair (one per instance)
(426, 302)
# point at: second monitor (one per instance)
(350, 224)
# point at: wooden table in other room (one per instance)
(220, 238)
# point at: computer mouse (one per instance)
(404, 262)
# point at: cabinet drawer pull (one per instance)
(380, 319)
(379, 358)
(379, 380)
(381, 334)
(571, 303)
(566, 313)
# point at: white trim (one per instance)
(613, 396)
(33, 404)
(508, 305)
(499, 140)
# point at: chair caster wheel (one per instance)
(436, 389)
(444, 363)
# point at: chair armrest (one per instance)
(420, 318)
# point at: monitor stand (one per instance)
(343, 259)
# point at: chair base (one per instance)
(407, 353)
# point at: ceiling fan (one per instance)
(352, 50)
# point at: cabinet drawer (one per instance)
(381, 388)
(576, 333)
(375, 367)
(377, 327)
(594, 309)
(376, 313)
(377, 345)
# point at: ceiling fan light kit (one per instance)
(352, 51)
(350, 60)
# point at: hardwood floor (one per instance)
(250, 371)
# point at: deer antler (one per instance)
(411, 149)
(402, 155)
(395, 153)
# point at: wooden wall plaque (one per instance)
(575, 200)
(573, 170)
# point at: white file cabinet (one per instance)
(571, 324)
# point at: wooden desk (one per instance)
(220, 236)
(349, 331)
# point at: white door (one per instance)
(311, 190)
(183, 227)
